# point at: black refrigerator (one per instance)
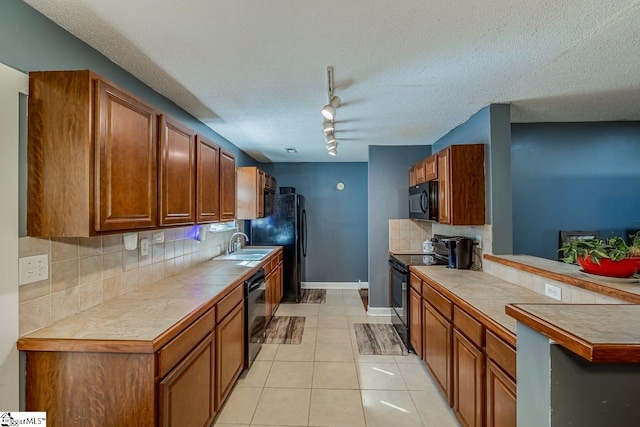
(287, 227)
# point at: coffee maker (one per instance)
(460, 252)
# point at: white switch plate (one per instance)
(479, 240)
(553, 291)
(158, 237)
(34, 269)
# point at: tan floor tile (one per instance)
(336, 408)
(298, 310)
(231, 425)
(283, 406)
(290, 375)
(333, 335)
(415, 376)
(384, 319)
(332, 310)
(240, 406)
(332, 322)
(309, 334)
(334, 352)
(334, 301)
(433, 410)
(356, 311)
(267, 352)
(310, 321)
(338, 375)
(410, 358)
(360, 319)
(296, 353)
(334, 292)
(384, 408)
(256, 376)
(380, 376)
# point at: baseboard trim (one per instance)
(334, 285)
(378, 311)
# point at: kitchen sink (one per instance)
(246, 255)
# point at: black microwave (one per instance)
(423, 201)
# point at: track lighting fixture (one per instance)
(329, 114)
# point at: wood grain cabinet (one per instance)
(461, 192)
(500, 383)
(227, 185)
(253, 185)
(415, 314)
(420, 172)
(412, 176)
(431, 168)
(230, 345)
(273, 285)
(92, 157)
(468, 373)
(207, 180)
(177, 173)
(436, 348)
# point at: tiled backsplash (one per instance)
(407, 235)
(84, 272)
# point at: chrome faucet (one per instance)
(229, 250)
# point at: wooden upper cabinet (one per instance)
(227, 185)
(420, 173)
(177, 173)
(92, 157)
(431, 168)
(252, 184)
(461, 189)
(412, 176)
(208, 181)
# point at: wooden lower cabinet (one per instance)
(437, 348)
(501, 397)
(229, 352)
(415, 321)
(187, 393)
(468, 366)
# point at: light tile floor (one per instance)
(324, 381)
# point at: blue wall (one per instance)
(388, 174)
(573, 176)
(337, 247)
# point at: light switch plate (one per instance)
(144, 247)
(553, 291)
(34, 269)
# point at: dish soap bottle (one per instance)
(238, 244)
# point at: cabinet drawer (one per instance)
(415, 283)
(227, 304)
(180, 346)
(439, 301)
(502, 353)
(469, 326)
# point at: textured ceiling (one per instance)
(407, 71)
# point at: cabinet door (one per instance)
(501, 397)
(227, 185)
(420, 173)
(431, 168)
(412, 176)
(444, 184)
(260, 190)
(177, 173)
(415, 321)
(126, 161)
(468, 364)
(229, 352)
(437, 348)
(187, 392)
(279, 282)
(269, 294)
(207, 181)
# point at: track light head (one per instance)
(332, 145)
(333, 151)
(329, 110)
(329, 137)
(328, 126)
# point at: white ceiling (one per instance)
(407, 71)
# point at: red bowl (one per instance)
(624, 268)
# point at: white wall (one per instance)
(12, 83)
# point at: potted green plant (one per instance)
(611, 257)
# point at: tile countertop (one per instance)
(605, 333)
(572, 275)
(141, 319)
(482, 292)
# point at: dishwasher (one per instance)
(255, 320)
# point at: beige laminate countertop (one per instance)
(571, 274)
(141, 319)
(483, 293)
(596, 332)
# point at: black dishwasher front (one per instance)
(255, 320)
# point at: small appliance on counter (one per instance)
(459, 252)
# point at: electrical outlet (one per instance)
(479, 241)
(34, 269)
(553, 291)
(144, 247)
(158, 237)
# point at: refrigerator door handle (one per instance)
(304, 232)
